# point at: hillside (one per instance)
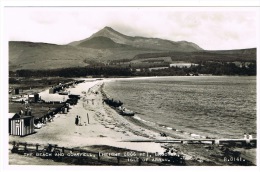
(108, 46)
(29, 55)
(141, 42)
(101, 42)
(243, 55)
(102, 47)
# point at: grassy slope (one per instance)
(225, 55)
(27, 55)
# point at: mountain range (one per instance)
(119, 39)
(102, 47)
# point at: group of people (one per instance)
(47, 118)
(78, 120)
(28, 111)
(163, 134)
(42, 121)
(92, 100)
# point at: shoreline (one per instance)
(150, 125)
(153, 126)
(105, 127)
(152, 77)
(148, 116)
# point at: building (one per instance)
(20, 125)
(157, 68)
(183, 65)
(16, 91)
(33, 98)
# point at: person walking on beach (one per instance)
(77, 120)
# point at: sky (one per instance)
(210, 28)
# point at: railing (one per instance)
(228, 142)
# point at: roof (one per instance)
(22, 117)
(11, 115)
(17, 116)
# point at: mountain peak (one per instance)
(108, 28)
(141, 42)
(108, 31)
(100, 42)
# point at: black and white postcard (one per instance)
(130, 85)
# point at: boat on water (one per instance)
(117, 104)
(126, 112)
(112, 102)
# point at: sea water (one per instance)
(213, 106)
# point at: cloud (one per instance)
(216, 28)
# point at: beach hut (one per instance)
(33, 97)
(20, 125)
(16, 91)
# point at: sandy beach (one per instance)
(102, 125)
(105, 125)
